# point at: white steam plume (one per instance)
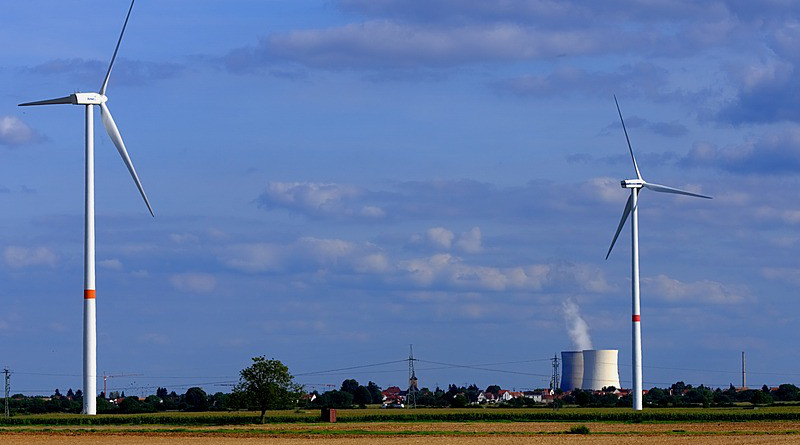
(576, 326)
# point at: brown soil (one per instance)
(157, 439)
(435, 433)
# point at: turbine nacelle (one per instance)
(88, 98)
(632, 183)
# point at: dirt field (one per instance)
(91, 439)
(444, 433)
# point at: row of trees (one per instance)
(268, 385)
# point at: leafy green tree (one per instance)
(362, 396)
(104, 406)
(788, 392)
(350, 385)
(760, 398)
(267, 384)
(459, 401)
(334, 399)
(196, 399)
(494, 389)
(132, 405)
(582, 398)
(375, 391)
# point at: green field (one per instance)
(423, 415)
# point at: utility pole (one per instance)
(411, 397)
(7, 375)
(555, 377)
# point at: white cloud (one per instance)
(451, 271)
(14, 132)
(440, 237)
(21, 257)
(388, 44)
(705, 291)
(786, 274)
(317, 199)
(470, 241)
(201, 283)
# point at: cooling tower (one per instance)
(600, 369)
(571, 370)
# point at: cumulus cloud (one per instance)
(772, 154)
(543, 13)
(201, 283)
(451, 271)
(440, 237)
(342, 258)
(305, 254)
(470, 241)
(384, 44)
(705, 291)
(319, 200)
(14, 132)
(438, 200)
(20, 257)
(785, 274)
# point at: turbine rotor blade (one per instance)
(110, 65)
(665, 189)
(60, 100)
(113, 133)
(625, 214)
(635, 165)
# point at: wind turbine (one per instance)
(632, 206)
(90, 100)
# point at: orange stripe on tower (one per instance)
(635, 317)
(88, 294)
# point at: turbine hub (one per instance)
(88, 98)
(632, 183)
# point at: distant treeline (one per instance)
(352, 394)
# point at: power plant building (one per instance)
(571, 370)
(590, 369)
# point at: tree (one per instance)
(375, 391)
(350, 385)
(582, 398)
(459, 401)
(788, 392)
(267, 384)
(494, 389)
(760, 398)
(334, 399)
(196, 399)
(161, 393)
(362, 396)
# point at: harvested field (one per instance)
(727, 433)
(157, 439)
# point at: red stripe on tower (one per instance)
(88, 294)
(637, 318)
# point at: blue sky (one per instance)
(334, 180)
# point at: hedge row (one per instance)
(578, 415)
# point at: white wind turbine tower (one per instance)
(632, 206)
(90, 100)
